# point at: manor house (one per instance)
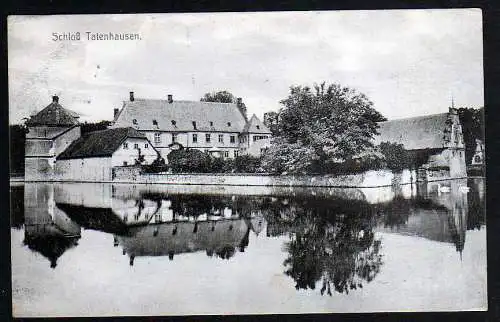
(221, 129)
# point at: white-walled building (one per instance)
(221, 129)
(92, 157)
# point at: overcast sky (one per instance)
(408, 62)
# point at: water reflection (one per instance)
(333, 235)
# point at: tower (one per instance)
(50, 132)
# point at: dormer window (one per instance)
(194, 125)
(134, 121)
(228, 123)
(174, 122)
(155, 122)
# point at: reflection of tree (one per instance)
(16, 206)
(333, 243)
(476, 214)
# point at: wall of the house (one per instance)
(130, 153)
(87, 169)
(186, 139)
(43, 144)
(256, 147)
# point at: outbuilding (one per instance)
(93, 156)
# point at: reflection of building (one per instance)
(48, 230)
(442, 217)
(478, 157)
(218, 128)
(220, 237)
(437, 138)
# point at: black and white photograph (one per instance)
(235, 163)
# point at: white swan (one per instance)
(443, 188)
(463, 189)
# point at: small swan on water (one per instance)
(443, 188)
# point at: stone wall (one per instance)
(367, 179)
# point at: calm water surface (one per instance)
(102, 249)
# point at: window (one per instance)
(146, 146)
(255, 138)
(211, 123)
(174, 137)
(157, 138)
(134, 121)
(195, 138)
(155, 122)
(194, 125)
(235, 153)
(125, 145)
(207, 137)
(232, 139)
(136, 145)
(174, 122)
(477, 159)
(226, 154)
(221, 138)
(258, 127)
(228, 123)
(124, 163)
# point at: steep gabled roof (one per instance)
(99, 143)
(54, 115)
(225, 117)
(423, 132)
(255, 125)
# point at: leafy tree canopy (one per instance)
(219, 96)
(322, 125)
(472, 121)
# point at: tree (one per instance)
(17, 136)
(271, 121)
(321, 126)
(472, 121)
(91, 127)
(225, 97)
(189, 160)
(396, 156)
(220, 96)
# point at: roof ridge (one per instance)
(416, 117)
(178, 101)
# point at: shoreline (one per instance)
(376, 180)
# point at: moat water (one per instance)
(103, 249)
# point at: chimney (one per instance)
(131, 96)
(55, 99)
(116, 110)
(239, 101)
(170, 98)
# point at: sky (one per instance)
(408, 62)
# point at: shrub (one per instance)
(189, 160)
(396, 156)
(247, 164)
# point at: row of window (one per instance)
(208, 138)
(259, 137)
(136, 145)
(174, 123)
